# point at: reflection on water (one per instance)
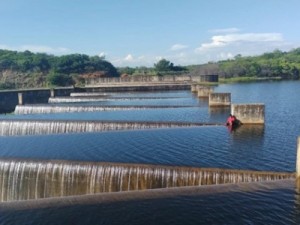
(219, 114)
(249, 134)
(271, 147)
(270, 203)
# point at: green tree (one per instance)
(163, 65)
(59, 79)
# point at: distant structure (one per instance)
(89, 81)
(209, 78)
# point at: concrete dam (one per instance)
(50, 108)
(29, 179)
(41, 127)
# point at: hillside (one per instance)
(27, 69)
(274, 64)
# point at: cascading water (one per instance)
(22, 180)
(90, 94)
(103, 98)
(37, 127)
(36, 109)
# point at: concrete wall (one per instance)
(204, 91)
(194, 87)
(209, 78)
(140, 87)
(298, 162)
(219, 99)
(9, 99)
(149, 79)
(249, 113)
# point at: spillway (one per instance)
(26, 179)
(103, 98)
(37, 109)
(38, 127)
(89, 94)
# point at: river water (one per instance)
(271, 147)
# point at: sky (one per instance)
(141, 32)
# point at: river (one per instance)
(271, 147)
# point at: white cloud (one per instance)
(178, 47)
(102, 54)
(225, 30)
(129, 58)
(218, 41)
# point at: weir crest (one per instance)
(38, 127)
(25, 179)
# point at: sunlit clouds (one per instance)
(178, 47)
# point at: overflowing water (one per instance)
(99, 99)
(89, 94)
(271, 147)
(39, 127)
(36, 109)
(23, 180)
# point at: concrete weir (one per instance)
(249, 113)
(29, 179)
(42, 127)
(204, 91)
(89, 94)
(298, 161)
(101, 98)
(219, 99)
(39, 109)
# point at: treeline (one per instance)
(27, 69)
(273, 64)
(54, 70)
(162, 67)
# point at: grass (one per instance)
(246, 79)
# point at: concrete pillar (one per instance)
(194, 87)
(20, 99)
(219, 99)
(52, 93)
(249, 113)
(203, 92)
(298, 161)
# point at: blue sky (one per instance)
(141, 32)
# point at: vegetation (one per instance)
(285, 65)
(162, 67)
(27, 69)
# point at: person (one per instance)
(230, 120)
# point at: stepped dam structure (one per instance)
(29, 179)
(100, 99)
(37, 109)
(88, 94)
(39, 127)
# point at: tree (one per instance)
(59, 79)
(163, 65)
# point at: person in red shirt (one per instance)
(230, 120)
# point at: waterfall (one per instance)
(24, 179)
(35, 109)
(75, 99)
(90, 94)
(37, 127)
(99, 99)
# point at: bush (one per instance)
(59, 79)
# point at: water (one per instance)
(40, 127)
(50, 108)
(271, 147)
(27, 179)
